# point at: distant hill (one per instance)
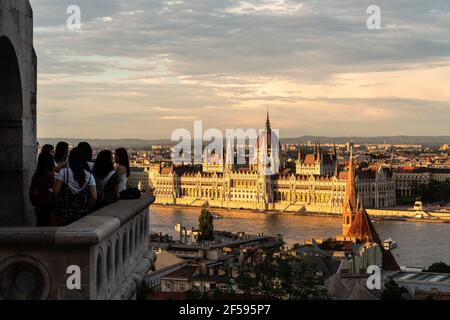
(105, 143)
(420, 140)
(136, 143)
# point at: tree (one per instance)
(206, 226)
(392, 291)
(432, 192)
(439, 267)
(281, 275)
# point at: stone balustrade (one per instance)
(110, 246)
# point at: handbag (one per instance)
(69, 207)
(131, 194)
(57, 218)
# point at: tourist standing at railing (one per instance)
(61, 155)
(74, 189)
(122, 168)
(48, 148)
(106, 179)
(41, 190)
(87, 149)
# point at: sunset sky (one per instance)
(142, 68)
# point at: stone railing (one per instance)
(109, 251)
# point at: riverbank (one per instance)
(395, 218)
(419, 244)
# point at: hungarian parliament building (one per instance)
(316, 184)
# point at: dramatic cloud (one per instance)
(269, 7)
(142, 68)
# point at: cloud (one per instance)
(177, 118)
(265, 7)
(223, 61)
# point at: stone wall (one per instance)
(111, 247)
(17, 111)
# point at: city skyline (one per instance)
(135, 68)
(363, 216)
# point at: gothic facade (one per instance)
(317, 185)
(317, 164)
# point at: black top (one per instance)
(105, 190)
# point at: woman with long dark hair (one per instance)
(87, 149)
(122, 168)
(48, 148)
(106, 179)
(41, 190)
(61, 155)
(75, 189)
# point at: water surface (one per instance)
(420, 244)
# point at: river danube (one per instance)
(419, 244)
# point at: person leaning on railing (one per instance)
(106, 179)
(41, 189)
(122, 168)
(61, 155)
(75, 190)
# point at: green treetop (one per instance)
(206, 226)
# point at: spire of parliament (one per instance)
(268, 120)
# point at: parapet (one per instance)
(110, 247)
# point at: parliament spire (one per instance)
(268, 119)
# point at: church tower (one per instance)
(351, 199)
(362, 228)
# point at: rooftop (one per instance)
(185, 273)
(165, 260)
(412, 169)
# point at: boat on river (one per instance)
(389, 244)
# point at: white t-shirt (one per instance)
(123, 182)
(73, 184)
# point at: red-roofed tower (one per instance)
(350, 208)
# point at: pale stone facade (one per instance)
(317, 164)
(250, 188)
(408, 178)
(139, 178)
(376, 187)
(214, 165)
